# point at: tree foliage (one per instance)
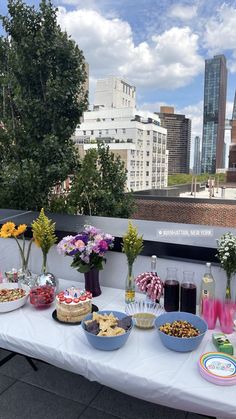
(99, 186)
(42, 75)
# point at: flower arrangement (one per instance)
(226, 253)
(8, 230)
(132, 244)
(44, 235)
(87, 248)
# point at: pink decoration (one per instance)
(151, 284)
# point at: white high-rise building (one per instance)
(136, 136)
(114, 92)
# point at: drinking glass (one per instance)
(209, 311)
(226, 316)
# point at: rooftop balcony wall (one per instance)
(182, 246)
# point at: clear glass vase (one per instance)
(130, 286)
(228, 288)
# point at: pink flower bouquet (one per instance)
(87, 248)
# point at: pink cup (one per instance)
(209, 311)
(226, 316)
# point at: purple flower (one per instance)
(91, 230)
(65, 245)
(103, 245)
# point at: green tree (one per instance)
(99, 186)
(42, 97)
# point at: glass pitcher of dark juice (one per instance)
(171, 290)
(188, 293)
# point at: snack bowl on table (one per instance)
(22, 295)
(107, 343)
(181, 344)
(144, 313)
(42, 296)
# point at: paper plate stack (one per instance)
(218, 368)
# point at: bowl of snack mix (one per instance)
(180, 331)
(12, 296)
(108, 329)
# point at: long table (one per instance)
(143, 368)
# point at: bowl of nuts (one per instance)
(12, 296)
(180, 331)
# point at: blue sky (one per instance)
(159, 46)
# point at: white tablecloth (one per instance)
(143, 368)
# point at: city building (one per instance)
(136, 136)
(178, 139)
(215, 86)
(197, 156)
(114, 92)
(231, 172)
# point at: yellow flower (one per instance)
(7, 230)
(37, 242)
(19, 230)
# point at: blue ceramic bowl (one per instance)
(181, 344)
(107, 343)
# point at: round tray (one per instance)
(218, 368)
(54, 316)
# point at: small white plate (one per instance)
(13, 305)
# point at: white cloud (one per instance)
(170, 60)
(220, 33)
(183, 12)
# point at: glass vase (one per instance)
(130, 286)
(92, 282)
(228, 288)
(25, 277)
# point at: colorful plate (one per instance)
(218, 368)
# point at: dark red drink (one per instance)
(171, 295)
(188, 298)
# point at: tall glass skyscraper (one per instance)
(215, 86)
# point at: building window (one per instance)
(84, 132)
(148, 142)
(112, 119)
(92, 132)
(124, 130)
(99, 133)
(147, 173)
(147, 183)
(107, 131)
(147, 163)
(148, 132)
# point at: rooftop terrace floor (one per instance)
(52, 393)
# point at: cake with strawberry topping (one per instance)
(73, 304)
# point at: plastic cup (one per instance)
(209, 312)
(226, 316)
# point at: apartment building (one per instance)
(178, 139)
(135, 136)
(114, 92)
